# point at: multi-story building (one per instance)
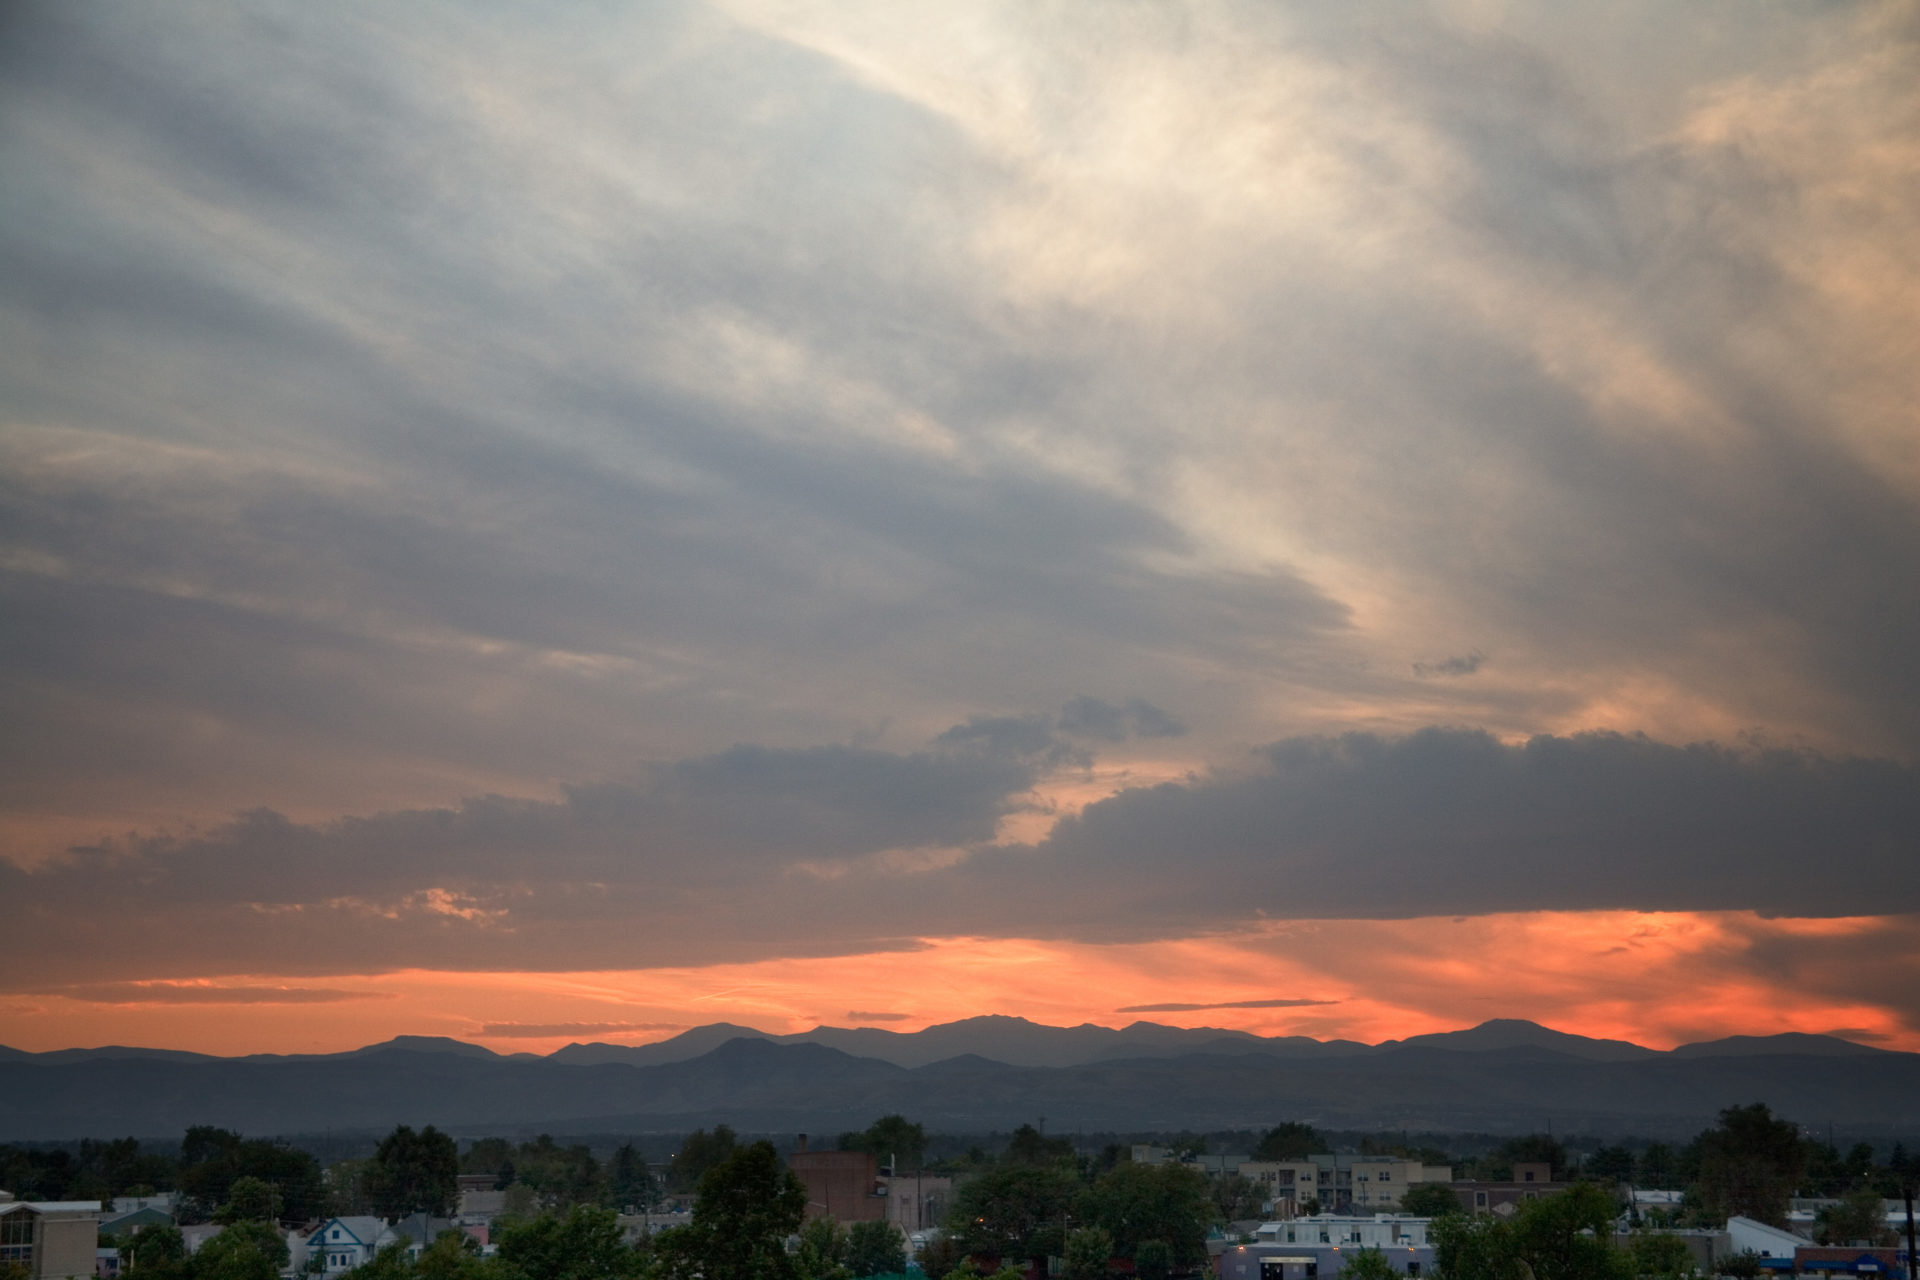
(1340, 1183)
(52, 1239)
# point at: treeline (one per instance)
(203, 1169)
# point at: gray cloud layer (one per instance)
(759, 853)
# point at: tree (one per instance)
(699, 1151)
(876, 1249)
(748, 1205)
(1029, 1146)
(1153, 1260)
(893, 1140)
(1088, 1251)
(243, 1251)
(1141, 1202)
(1566, 1236)
(1013, 1210)
(1367, 1264)
(1430, 1200)
(1660, 1254)
(1859, 1218)
(1609, 1165)
(414, 1173)
(455, 1255)
(1657, 1168)
(629, 1182)
(250, 1199)
(1289, 1141)
(1750, 1165)
(822, 1254)
(583, 1245)
(158, 1252)
(1236, 1197)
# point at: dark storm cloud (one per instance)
(1453, 821)
(757, 853)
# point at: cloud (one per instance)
(554, 1030)
(204, 993)
(1223, 1004)
(755, 853)
(859, 1015)
(1464, 665)
(1092, 718)
(1455, 821)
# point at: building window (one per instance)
(1480, 1199)
(16, 1238)
(1386, 1175)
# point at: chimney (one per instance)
(802, 1145)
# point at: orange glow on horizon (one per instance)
(1659, 979)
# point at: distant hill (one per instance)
(1787, 1042)
(1502, 1077)
(1517, 1033)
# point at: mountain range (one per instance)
(976, 1075)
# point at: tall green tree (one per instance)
(1565, 1236)
(1859, 1218)
(629, 1181)
(158, 1252)
(1290, 1140)
(893, 1140)
(748, 1205)
(1660, 1255)
(250, 1199)
(822, 1251)
(876, 1249)
(242, 1251)
(1153, 1260)
(584, 1244)
(1140, 1202)
(1088, 1251)
(1430, 1200)
(699, 1151)
(1014, 1210)
(1750, 1165)
(1031, 1147)
(414, 1173)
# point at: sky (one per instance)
(573, 524)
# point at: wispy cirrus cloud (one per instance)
(1177, 1007)
(160, 992)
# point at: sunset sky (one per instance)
(572, 523)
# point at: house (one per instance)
(417, 1230)
(132, 1221)
(52, 1239)
(345, 1243)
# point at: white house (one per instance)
(342, 1244)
